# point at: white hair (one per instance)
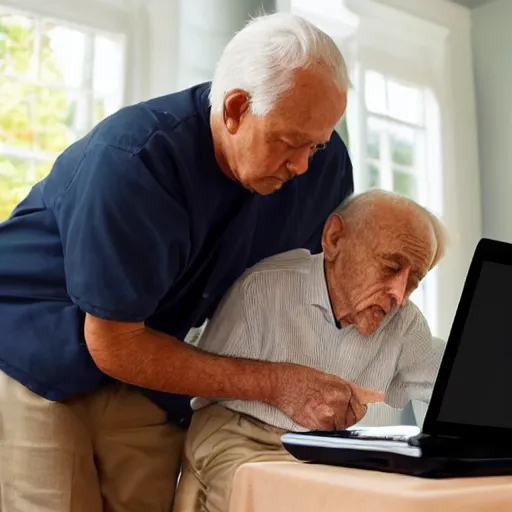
(261, 58)
(364, 202)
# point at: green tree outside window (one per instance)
(34, 118)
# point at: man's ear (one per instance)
(236, 104)
(334, 231)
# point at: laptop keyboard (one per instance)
(361, 434)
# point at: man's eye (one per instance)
(392, 269)
(318, 147)
(313, 150)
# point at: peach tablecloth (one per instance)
(297, 487)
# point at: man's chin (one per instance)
(366, 330)
(369, 320)
(265, 189)
(363, 328)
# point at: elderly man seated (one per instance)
(345, 312)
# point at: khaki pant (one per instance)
(217, 443)
(109, 451)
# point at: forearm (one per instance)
(153, 360)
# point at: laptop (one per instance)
(468, 426)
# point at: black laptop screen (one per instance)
(479, 388)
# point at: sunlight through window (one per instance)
(56, 82)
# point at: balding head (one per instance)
(378, 246)
(363, 211)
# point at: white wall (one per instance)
(205, 28)
(492, 54)
(184, 39)
(162, 46)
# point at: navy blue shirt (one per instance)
(136, 222)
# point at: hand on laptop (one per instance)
(367, 396)
(358, 405)
(319, 401)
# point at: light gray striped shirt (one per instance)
(279, 310)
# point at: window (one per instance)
(57, 81)
(394, 157)
(395, 136)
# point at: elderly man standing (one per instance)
(344, 312)
(132, 239)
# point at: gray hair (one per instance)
(359, 203)
(261, 58)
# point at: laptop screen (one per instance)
(479, 389)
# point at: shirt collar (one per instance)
(317, 285)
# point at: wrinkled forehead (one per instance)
(412, 240)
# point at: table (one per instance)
(299, 487)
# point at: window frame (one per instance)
(102, 15)
(95, 19)
(126, 17)
(358, 116)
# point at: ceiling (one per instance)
(472, 4)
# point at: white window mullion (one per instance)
(386, 161)
(356, 119)
(36, 63)
(421, 163)
(422, 189)
(393, 121)
(385, 149)
(36, 57)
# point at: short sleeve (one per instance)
(124, 236)
(418, 363)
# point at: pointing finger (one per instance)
(367, 396)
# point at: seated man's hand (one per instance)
(320, 401)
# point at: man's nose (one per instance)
(398, 289)
(300, 162)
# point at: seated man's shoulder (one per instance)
(410, 317)
(284, 269)
(411, 310)
(270, 284)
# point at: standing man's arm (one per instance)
(135, 354)
(125, 241)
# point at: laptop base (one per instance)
(468, 425)
(420, 466)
